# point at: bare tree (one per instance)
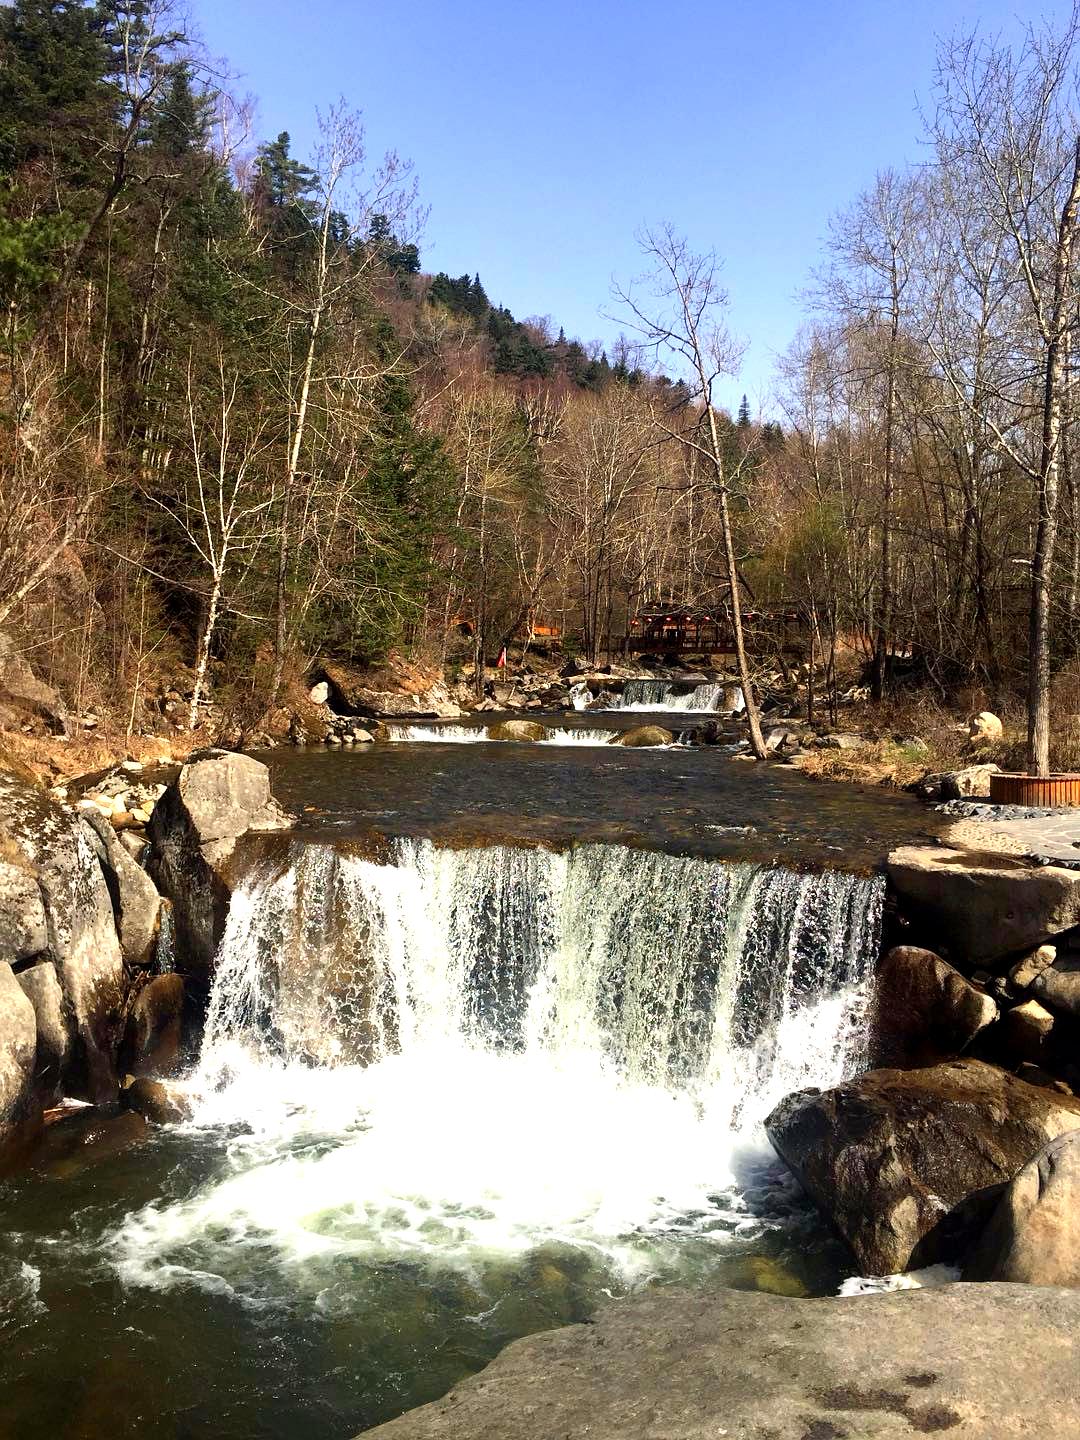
(1010, 121)
(681, 315)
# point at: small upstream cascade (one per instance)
(447, 734)
(706, 698)
(443, 1057)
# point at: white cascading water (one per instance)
(706, 698)
(477, 734)
(461, 1055)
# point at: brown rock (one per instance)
(1025, 1030)
(156, 1102)
(1025, 971)
(924, 1010)
(1060, 989)
(154, 1028)
(517, 730)
(1033, 1236)
(900, 1161)
(644, 736)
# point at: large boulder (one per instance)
(20, 1104)
(924, 1010)
(900, 1161)
(217, 797)
(351, 693)
(969, 1362)
(56, 847)
(136, 902)
(1033, 1235)
(518, 730)
(644, 736)
(986, 906)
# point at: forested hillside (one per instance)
(242, 427)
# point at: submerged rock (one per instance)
(1033, 1236)
(643, 736)
(156, 1102)
(518, 730)
(924, 1010)
(892, 1156)
(216, 798)
(968, 1361)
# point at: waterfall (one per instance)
(488, 1062)
(670, 971)
(707, 697)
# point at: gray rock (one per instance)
(136, 902)
(841, 742)
(900, 1160)
(1033, 1236)
(924, 1010)
(986, 906)
(971, 1362)
(216, 798)
(20, 1106)
(23, 927)
(61, 850)
(985, 728)
(54, 1034)
(1060, 989)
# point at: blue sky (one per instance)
(544, 135)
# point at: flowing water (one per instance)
(444, 1097)
(705, 698)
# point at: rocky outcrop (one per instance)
(901, 1161)
(20, 1102)
(58, 852)
(924, 1010)
(1033, 1236)
(644, 736)
(350, 693)
(518, 730)
(986, 906)
(971, 1362)
(217, 797)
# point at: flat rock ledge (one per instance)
(971, 1362)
